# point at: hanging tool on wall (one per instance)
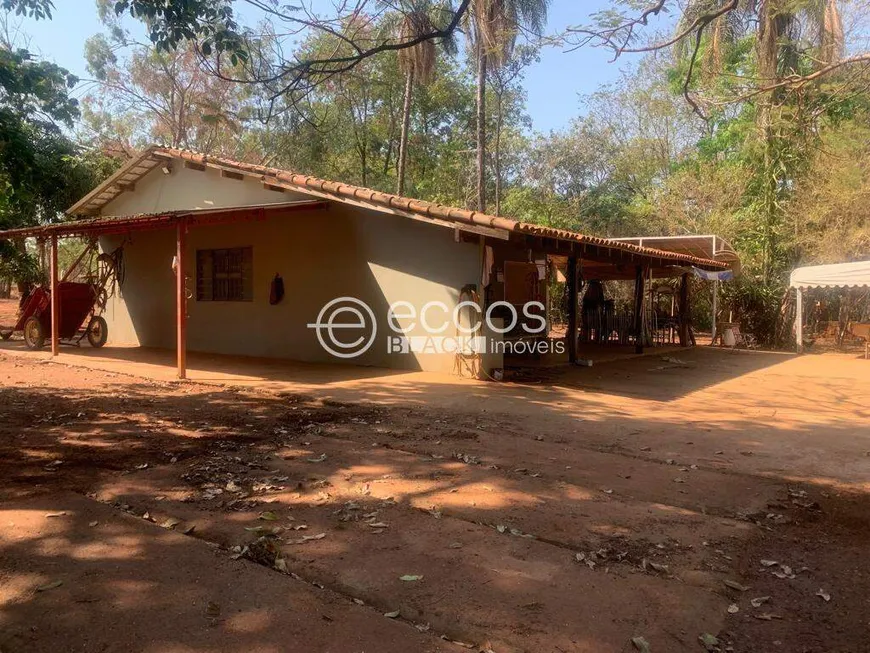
(276, 290)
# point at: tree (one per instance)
(165, 97)
(508, 94)
(41, 170)
(417, 63)
(493, 28)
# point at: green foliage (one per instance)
(146, 95)
(211, 23)
(38, 9)
(18, 265)
(40, 169)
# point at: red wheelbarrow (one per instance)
(77, 304)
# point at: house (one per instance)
(368, 277)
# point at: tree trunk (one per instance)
(481, 128)
(403, 138)
(843, 317)
(24, 286)
(497, 158)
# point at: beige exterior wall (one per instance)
(321, 254)
(193, 189)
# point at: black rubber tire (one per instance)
(34, 336)
(98, 332)
(5, 335)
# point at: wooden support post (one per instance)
(685, 313)
(55, 300)
(799, 320)
(571, 333)
(181, 298)
(638, 309)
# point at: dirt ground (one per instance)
(715, 500)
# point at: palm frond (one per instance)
(495, 25)
(417, 60)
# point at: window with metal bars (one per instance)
(224, 275)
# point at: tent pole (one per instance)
(799, 320)
(685, 315)
(715, 301)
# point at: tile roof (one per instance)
(154, 156)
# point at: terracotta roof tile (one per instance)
(339, 191)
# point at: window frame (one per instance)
(225, 274)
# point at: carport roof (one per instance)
(125, 179)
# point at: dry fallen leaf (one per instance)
(307, 538)
(265, 530)
(735, 585)
(49, 586)
(824, 595)
(410, 578)
(708, 641)
(758, 602)
(640, 644)
(391, 615)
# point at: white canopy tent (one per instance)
(838, 275)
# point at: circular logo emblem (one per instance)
(345, 327)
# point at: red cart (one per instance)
(80, 308)
(77, 302)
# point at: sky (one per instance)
(554, 85)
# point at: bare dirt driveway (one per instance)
(714, 501)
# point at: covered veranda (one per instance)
(581, 257)
(181, 222)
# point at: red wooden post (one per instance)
(571, 335)
(638, 309)
(55, 300)
(685, 312)
(181, 298)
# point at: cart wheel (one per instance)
(34, 337)
(98, 332)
